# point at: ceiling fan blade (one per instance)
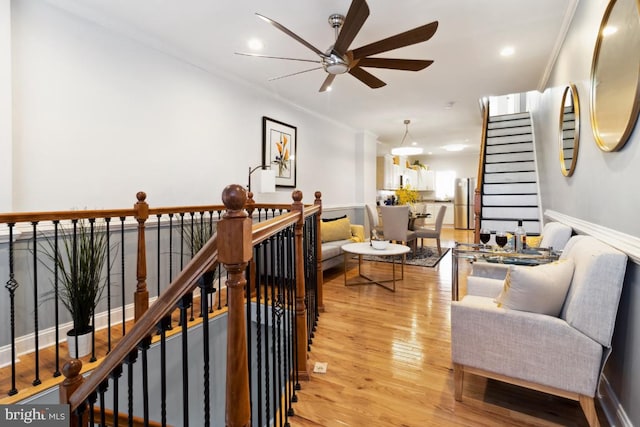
(327, 83)
(292, 34)
(357, 14)
(257, 55)
(294, 74)
(417, 35)
(395, 64)
(366, 78)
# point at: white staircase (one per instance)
(510, 189)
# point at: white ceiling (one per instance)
(465, 49)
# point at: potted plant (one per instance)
(79, 256)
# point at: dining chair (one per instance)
(432, 233)
(374, 224)
(395, 224)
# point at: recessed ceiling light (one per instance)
(329, 89)
(454, 147)
(507, 51)
(430, 153)
(609, 30)
(255, 44)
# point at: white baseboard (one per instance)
(47, 337)
(613, 409)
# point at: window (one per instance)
(445, 184)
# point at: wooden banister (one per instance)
(477, 200)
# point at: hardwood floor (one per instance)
(389, 361)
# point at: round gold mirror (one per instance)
(615, 75)
(569, 130)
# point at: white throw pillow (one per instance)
(540, 289)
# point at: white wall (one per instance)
(602, 191)
(465, 166)
(98, 117)
(5, 107)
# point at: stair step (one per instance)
(513, 188)
(508, 139)
(528, 213)
(509, 177)
(509, 123)
(509, 131)
(510, 148)
(509, 167)
(510, 200)
(531, 227)
(506, 117)
(510, 157)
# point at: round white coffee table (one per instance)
(392, 250)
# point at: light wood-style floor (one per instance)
(389, 361)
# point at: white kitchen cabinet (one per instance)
(387, 173)
(409, 177)
(426, 180)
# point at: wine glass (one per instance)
(501, 239)
(485, 235)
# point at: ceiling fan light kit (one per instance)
(406, 150)
(339, 59)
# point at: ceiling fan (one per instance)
(339, 59)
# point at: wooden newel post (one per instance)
(301, 308)
(72, 380)
(141, 296)
(235, 249)
(319, 278)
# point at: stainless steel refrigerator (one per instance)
(463, 197)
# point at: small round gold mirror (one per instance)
(569, 130)
(615, 75)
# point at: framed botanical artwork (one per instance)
(279, 150)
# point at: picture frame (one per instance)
(279, 146)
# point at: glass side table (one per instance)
(474, 252)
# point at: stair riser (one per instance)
(510, 177)
(510, 212)
(507, 117)
(519, 200)
(510, 189)
(512, 157)
(510, 148)
(509, 123)
(509, 131)
(509, 167)
(495, 140)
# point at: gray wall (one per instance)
(602, 191)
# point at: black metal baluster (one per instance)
(278, 310)
(74, 273)
(259, 253)
(36, 332)
(93, 397)
(131, 359)
(108, 237)
(206, 287)
(123, 291)
(102, 389)
(169, 326)
(93, 312)
(164, 325)
(191, 318)
(184, 304)
(115, 375)
(247, 290)
(144, 347)
(275, 274)
(56, 311)
(11, 286)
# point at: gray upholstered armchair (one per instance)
(563, 352)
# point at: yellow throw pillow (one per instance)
(339, 229)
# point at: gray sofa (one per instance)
(332, 254)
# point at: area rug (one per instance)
(425, 257)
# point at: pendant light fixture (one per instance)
(406, 150)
